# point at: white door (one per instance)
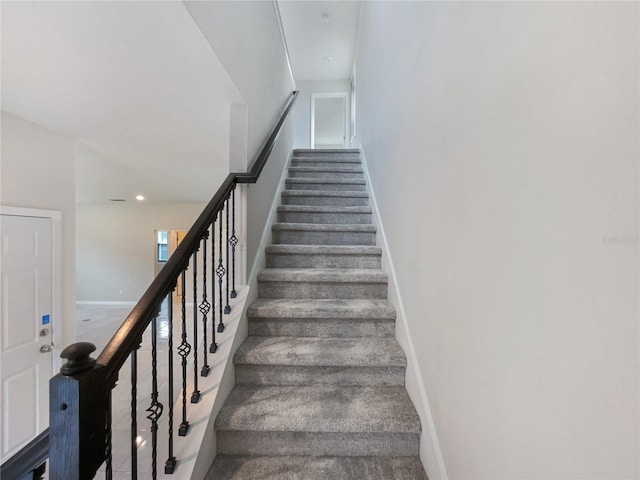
(25, 333)
(329, 120)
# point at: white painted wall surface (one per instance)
(38, 171)
(502, 141)
(246, 37)
(115, 246)
(302, 110)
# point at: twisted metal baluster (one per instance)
(183, 350)
(220, 271)
(134, 413)
(205, 306)
(170, 464)
(155, 409)
(195, 396)
(233, 241)
(227, 308)
(214, 346)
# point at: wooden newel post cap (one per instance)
(78, 359)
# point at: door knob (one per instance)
(45, 348)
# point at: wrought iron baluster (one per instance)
(227, 308)
(205, 307)
(195, 396)
(170, 464)
(134, 413)
(155, 409)
(108, 473)
(220, 271)
(214, 346)
(183, 350)
(233, 241)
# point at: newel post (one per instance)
(79, 400)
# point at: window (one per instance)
(163, 246)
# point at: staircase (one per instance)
(320, 380)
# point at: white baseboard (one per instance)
(430, 452)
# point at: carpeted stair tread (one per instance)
(325, 249)
(230, 467)
(322, 309)
(325, 193)
(325, 227)
(324, 209)
(312, 351)
(318, 408)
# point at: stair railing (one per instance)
(79, 436)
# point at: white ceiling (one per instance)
(311, 38)
(133, 81)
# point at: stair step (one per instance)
(333, 184)
(324, 198)
(323, 214)
(228, 467)
(321, 318)
(315, 361)
(322, 283)
(326, 172)
(323, 256)
(318, 420)
(327, 153)
(324, 162)
(323, 234)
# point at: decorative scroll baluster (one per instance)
(214, 346)
(220, 271)
(227, 308)
(155, 409)
(183, 350)
(205, 306)
(233, 241)
(134, 413)
(170, 464)
(195, 396)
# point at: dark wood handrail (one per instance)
(128, 336)
(28, 459)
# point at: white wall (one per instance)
(502, 141)
(302, 110)
(246, 38)
(38, 171)
(116, 250)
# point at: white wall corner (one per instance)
(430, 452)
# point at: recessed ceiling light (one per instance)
(325, 17)
(328, 59)
(140, 197)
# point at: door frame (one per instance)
(56, 272)
(344, 95)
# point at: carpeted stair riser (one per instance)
(316, 468)
(301, 375)
(331, 184)
(302, 237)
(321, 290)
(349, 172)
(328, 152)
(237, 442)
(324, 215)
(325, 198)
(330, 328)
(314, 256)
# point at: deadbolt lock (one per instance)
(44, 332)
